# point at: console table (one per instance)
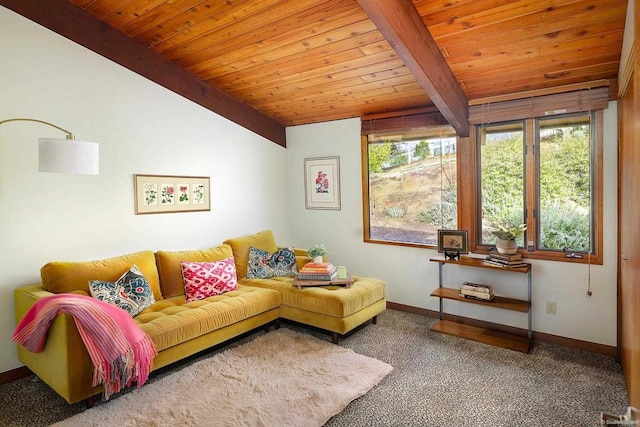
(484, 335)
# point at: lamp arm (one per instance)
(69, 134)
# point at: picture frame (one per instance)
(322, 182)
(453, 243)
(154, 194)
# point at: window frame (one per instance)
(469, 216)
(366, 213)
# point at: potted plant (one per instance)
(507, 235)
(317, 252)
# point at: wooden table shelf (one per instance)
(475, 333)
(497, 302)
(479, 262)
(483, 335)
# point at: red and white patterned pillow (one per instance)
(205, 279)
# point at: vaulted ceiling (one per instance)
(280, 63)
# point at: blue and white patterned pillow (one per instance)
(131, 292)
(263, 265)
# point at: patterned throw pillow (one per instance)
(263, 265)
(131, 292)
(206, 279)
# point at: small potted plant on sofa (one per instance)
(507, 235)
(317, 252)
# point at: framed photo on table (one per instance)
(322, 183)
(453, 243)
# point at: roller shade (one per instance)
(403, 123)
(540, 106)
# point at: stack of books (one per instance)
(505, 260)
(476, 291)
(317, 271)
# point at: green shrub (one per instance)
(398, 160)
(564, 226)
(502, 177)
(443, 214)
(395, 212)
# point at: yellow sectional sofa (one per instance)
(178, 328)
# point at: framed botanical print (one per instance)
(322, 183)
(171, 193)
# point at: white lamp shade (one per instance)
(68, 156)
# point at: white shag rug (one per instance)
(282, 378)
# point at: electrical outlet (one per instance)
(551, 307)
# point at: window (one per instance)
(502, 178)
(410, 184)
(542, 172)
(535, 161)
(565, 158)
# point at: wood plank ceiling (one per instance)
(308, 61)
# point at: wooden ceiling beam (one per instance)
(402, 26)
(73, 23)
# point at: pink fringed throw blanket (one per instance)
(120, 351)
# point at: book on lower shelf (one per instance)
(481, 296)
(477, 287)
(477, 291)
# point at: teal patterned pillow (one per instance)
(263, 265)
(131, 292)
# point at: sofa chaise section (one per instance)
(333, 308)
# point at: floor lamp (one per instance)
(65, 155)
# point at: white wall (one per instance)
(409, 274)
(141, 128)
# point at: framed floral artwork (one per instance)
(322, 183)
(170, 193)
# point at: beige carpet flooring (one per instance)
(437, 381)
